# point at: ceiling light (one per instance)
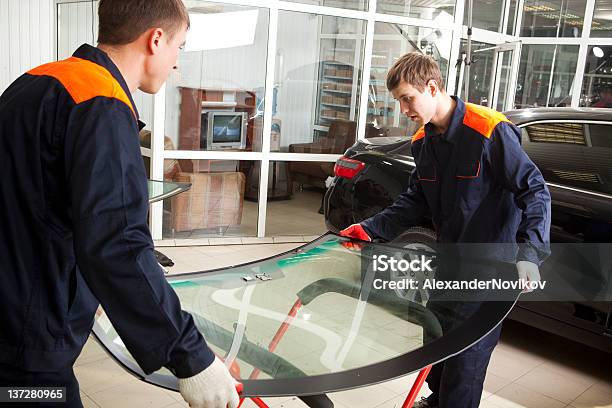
(598, 52)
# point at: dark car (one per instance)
(572, 148)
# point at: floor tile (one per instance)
(363, 397)
(164, 243)
(402, 385)
(176, 396)
(517, 396)
(225, 241)
(396, 402)
(256, 240)
(132, 394)
(564, 387)
(512, 365)
(598, 395)
(192, 242)
(492, 384)
(92, 351)
(88, 402)
(288, 238)
(101, 375)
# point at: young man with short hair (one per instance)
(73, 210)
(478, 185)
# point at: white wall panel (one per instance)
(74, 26)
(26, 37)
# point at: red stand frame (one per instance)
(408, 403)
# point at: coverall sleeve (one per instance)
(517, 173)
(406, 211)
(106, 182)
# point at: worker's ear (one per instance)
(154, 39)
(432, 87)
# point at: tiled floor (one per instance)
(529, 368)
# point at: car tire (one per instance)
(416, 238)
(417, 235)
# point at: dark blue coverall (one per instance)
(479, 186)
(73, 217)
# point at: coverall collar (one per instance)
(453, 126)
(101, 58)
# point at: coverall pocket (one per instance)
(468, 170)
(469, 179)
(427, 173)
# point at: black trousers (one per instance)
(14, 377)
(458, 381)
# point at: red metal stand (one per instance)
(271, 347)
(280, 332)
(416, 387)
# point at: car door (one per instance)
(575, 158)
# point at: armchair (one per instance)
(214, 200)
(340, 136)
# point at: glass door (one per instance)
(503, 76)
(492, 75)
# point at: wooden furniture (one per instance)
(215, 200)
(195, 101)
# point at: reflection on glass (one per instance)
(295, 197)
(317, 82)
(345, 4)
(552, 18)
(391, 41)
(428, 10)
(597, 81)
(222, 201)
(215, 99)
(546, 75)
(601, 25)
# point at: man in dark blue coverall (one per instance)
(479, 186)
(73, 213)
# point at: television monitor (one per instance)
(223, 130)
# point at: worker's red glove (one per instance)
(355, 231)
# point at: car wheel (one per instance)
(416, 238)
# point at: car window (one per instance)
(572, 154)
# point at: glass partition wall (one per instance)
(269, 94)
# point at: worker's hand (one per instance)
(528, 272)
(214, 387)
(355, 231)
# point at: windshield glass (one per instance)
(331, 307)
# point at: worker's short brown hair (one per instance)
(123, 21)
(415, 69)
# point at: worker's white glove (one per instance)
(528, 272)
(213, 387)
